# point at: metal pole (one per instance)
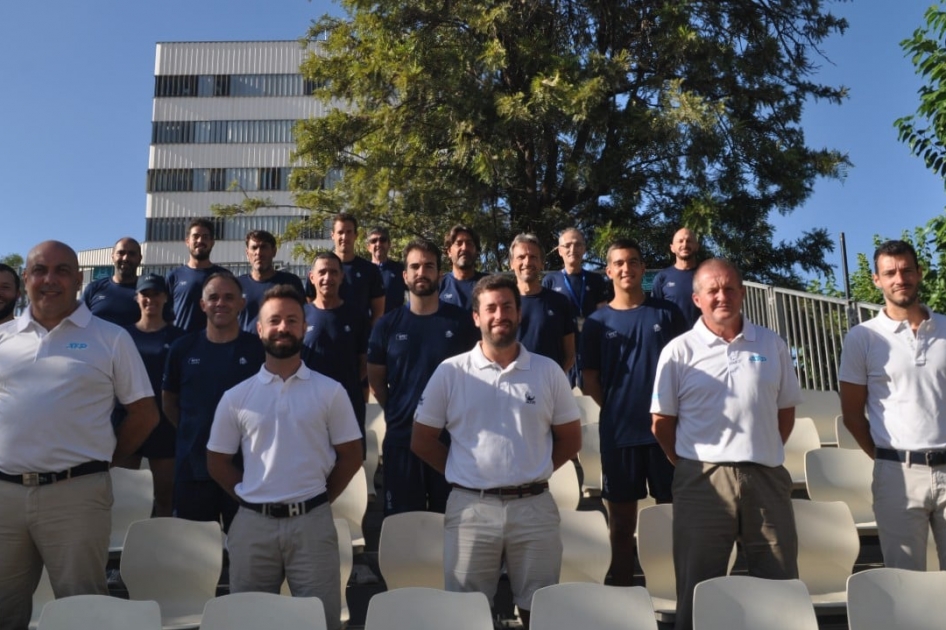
(847, 278)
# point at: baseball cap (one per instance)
(152, 281)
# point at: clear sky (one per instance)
(78, 86)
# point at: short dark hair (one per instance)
(10, 270)
(381, 231)
(895, 248)
(200, 222)
(327, 255)
(526, 238)
(623, 243)
(345, 217)
(226, 275)
(423, 245)
(496, 282)
(283, 291)
(261, 236)
(455, 232)
(130, 239)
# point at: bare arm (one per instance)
(591, 385)
(171, 407)
(347, 462)
(853, 401)
(221, 469)
(568, 351)
(426, 444)
(378, 382)
(377, 309)
(140, 420)
(664, 429)
(566, 442)
(786, 422)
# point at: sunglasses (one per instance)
(377, 239)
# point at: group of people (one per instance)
(247, 396)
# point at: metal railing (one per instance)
(812, 325)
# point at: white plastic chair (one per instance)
(828, 546)
(252, 611)
(804, 438)
(372, 459)
(896, 599)
(586, 547)
(577, 606)
(175, 562)
(841, 474)
(564, 486)
(590, 458)
(428, 609)
(822, 407)
(134, 499)
(740, 602)
(845, 439)
(589, 409)
(352, 504)
(410, 552)
(374, 421)
(99, 612)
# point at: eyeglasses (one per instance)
(374, 240)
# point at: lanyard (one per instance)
(579, 299)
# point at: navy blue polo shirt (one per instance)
(334, 339)
(459, 292)
(184, 285)
(585, 290)
(546, 317)
(362, 284)
(199, 372)
(112, 301)
(676, 285)
(154, 348)
(253, 291)
(392, 277)
(624, 346)
(411, 347)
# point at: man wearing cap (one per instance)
(61, 370)
(113, 298)
(301, 446)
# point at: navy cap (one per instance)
(152, 281)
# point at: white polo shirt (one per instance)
(726, 395)
(500, 420)
(287, 431)
(58, 388)
(905, 375)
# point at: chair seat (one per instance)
(662, 605)
(181, 622)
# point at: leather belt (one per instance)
(46, 478)
(921, 458)
(285, 510)
(517, 492)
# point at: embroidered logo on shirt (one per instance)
(242, 361)
(449, 334)
(193, 361)
(420, 401)
(449, 296)
(401, 336)
(757, 358)
(611, 334)
(657, 328)
(98, 297)
(309, 329)
(559, 289)
(347, 328)
(357, 274)
(671, 284)
(182, 283)
(77, 346)
(550, 313)
(530, 399)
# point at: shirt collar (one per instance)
(265, 376)
(896, 325)
(522, 362)
(80, 317)
(709, 337)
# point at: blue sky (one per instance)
(78, 84)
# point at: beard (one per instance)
(419, 290)
(501, 340)
(7, 309)
(282, 351)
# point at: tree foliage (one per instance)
(13, 260)
(634, 115)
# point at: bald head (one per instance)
(52, 279)
(126, 256)
(685, 246)
(52, 246)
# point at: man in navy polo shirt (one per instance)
(260, 252)
(463, 247)
(676, 283)
(363, 287)
(113, 298)
(185, 282)
(621, 345)
(200, 367)
(392, 272)
(547, 326)
(405, 348)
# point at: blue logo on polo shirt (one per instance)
(530, 399)
(757, 358)
(77, 346)
(401, 337)
(448, 295)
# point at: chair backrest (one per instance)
(175, 562)
(588, 408)
(888, 599)
(586, 547)
(134, 499)
(372, 459)
(828, 545)
(410, 552)
(99, 612)
(822, 407)
(576, 606)
(352, 504)
(590, 457)
(41, 596)
(564, 486)
(804, 438)
(374, 420)
(252, 611)
(841, 474)
(428, 609)
(845, 439)
(740, 602)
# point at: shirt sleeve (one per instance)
(171, 381)
(854, 358)
(590, 350)
(665, 400)
(129, 374)
(342, 425)
(432, 406)
(225, 434)
(566, 407)
(657, 288)
(377, 344)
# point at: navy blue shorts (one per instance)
(629, 473)
(410, 485)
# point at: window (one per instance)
(223, 85)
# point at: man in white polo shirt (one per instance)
(894, 364)
(301, 446)
(512, 420)
(723, 406)
(61, 370)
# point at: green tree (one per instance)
(532, 116)
(13, 260)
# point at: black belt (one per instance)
(922, 458)
(285, 510)
(46, 478)
(525, 490)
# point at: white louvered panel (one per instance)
(275, 57)
(219, 155)
(238, 108)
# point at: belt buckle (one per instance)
(295, 509)
(32, 479)
(266, 509)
